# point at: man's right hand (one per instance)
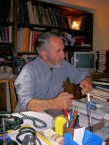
(63, 100)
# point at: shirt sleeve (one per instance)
(76, 75)
(24, 85)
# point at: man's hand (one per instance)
(86, 85)
(63, 100)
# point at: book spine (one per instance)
(30, 11)
(25, 46)
(100, 98)
(102, 83)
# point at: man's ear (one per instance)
(44, 55)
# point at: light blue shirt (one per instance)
(37, 81)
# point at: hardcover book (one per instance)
(102, 81)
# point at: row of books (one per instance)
(102, 60)
(99, 108)
(101, 89)
(6, 10)
(48, 16)
(40, 15)
(5, 33)
(26, 39)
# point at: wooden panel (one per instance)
(3, 104)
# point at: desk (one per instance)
(29, 123)
(41, 115)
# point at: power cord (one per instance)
(34, 119)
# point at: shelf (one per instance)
(77, 48)
(44, 27)
(24, 53)
(6, 43)
(6, 23)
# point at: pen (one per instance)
(76, 121)
(66, 113)
(89, 112)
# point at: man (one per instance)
(40, 84)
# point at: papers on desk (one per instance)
(40, 115)
(28, 123)
(102, 108)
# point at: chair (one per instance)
(12, 93)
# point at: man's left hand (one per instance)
(86, 85)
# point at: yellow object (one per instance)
(59, 125)
(44, 138)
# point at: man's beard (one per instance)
(53, 64)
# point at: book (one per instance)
(25, 12)
(99, 92)
(106, 99)
(11, 12)
(103, 58)
(20, 15)
(102, 111)
(102, 87)
(46, 14)
(25, 45)
(35, 15)
(102, 81)
(39, 12)
(5, 10)
(30, 12)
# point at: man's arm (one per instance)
(62, 101)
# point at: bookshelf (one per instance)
(21, 22)
(35, 17)
(7, 31)
(7, 42)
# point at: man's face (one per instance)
(56, 53)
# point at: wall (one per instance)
(100, 10)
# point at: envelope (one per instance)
(89, 138)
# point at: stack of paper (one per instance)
(100, 94)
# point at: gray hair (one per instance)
(43, 41)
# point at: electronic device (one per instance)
(8, 123)
(29, 139)
(84, 61)
(8, 57)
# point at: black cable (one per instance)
(34, 119)
(26, 130)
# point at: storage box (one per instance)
(89, 138)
